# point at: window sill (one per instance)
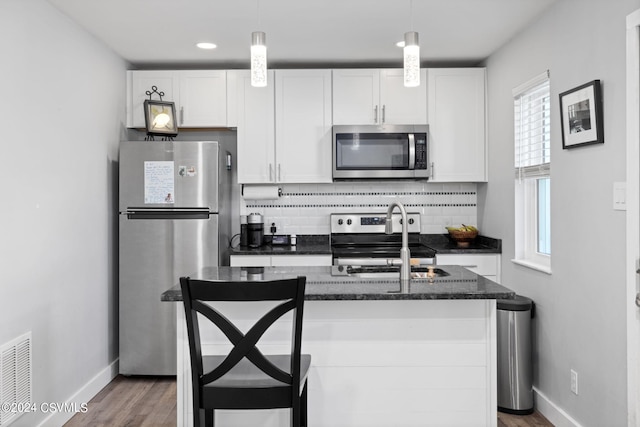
(532, 265)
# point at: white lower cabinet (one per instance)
(280, 260)
(487, 265)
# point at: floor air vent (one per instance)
(15, 377)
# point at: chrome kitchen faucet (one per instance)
(405, 254)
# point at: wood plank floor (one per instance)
(151, 401)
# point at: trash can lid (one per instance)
(519, 303)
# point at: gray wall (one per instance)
(62, 105)
(581, 321)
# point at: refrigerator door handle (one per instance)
(167, 214)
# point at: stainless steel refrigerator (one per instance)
(175, 218)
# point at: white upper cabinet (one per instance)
(203, 98)
(200, 97)
(457, 124)
(377, 96)
(303, 126)
(284, 130)
(256, 129)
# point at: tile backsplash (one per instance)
(305, 208)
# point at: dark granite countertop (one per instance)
(328, 283)
(320, 245)
(306, 245)
(442, 244)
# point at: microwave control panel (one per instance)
(421, 151)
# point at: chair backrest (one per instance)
(195, 294)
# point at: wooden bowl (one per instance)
(463, 238)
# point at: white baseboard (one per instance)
(84, 395)
(557, 416)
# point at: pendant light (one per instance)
(411, 53)
(258, 56)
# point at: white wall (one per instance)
(581, 321)
(62, 108)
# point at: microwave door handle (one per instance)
(412, 151)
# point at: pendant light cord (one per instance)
(411, 14)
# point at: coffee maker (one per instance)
(254, 230)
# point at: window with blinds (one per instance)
(532, 140)
(532, 128)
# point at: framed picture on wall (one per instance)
(581, 110)
(160, 118)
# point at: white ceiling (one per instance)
(301, 32)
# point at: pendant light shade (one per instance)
(411, 59)
(258, 59)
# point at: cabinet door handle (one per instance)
(375, 114)
(469, 266)
(279, 173)
(431, 172)
(181, 115)
(270, 172)
(384, 115)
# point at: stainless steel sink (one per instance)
(389, 272)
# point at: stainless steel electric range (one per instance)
(360, 240)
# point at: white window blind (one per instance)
(532, 121)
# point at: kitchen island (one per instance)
(383, 354)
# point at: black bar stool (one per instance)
(245, 378)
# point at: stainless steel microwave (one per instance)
(380, 152)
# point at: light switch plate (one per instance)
(620, 196)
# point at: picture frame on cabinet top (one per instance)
(160, 118)
(582, 118)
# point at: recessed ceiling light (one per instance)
(400, 43)
(204, 45)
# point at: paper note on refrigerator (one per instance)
(159, 182)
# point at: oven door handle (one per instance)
(380, 261)
(361, 261)
(412, 151)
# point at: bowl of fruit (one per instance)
(464, 235)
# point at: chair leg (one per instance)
(303, 406)
(209, 418)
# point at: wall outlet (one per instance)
(574, 382)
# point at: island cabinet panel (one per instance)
(369, 96)
(457, 124)
(200, 96)
(378, 364)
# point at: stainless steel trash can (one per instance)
(515, 371)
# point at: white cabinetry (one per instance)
(457, 124)
(487, 265)
(200, 96)
(303, 126)
(377, 96)
(279, 260)
(293, 143)
(256, 129)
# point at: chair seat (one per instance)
(246, 386)
(246, 375)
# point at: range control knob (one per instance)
(349, 222)
(340, 222)
(411, 220)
